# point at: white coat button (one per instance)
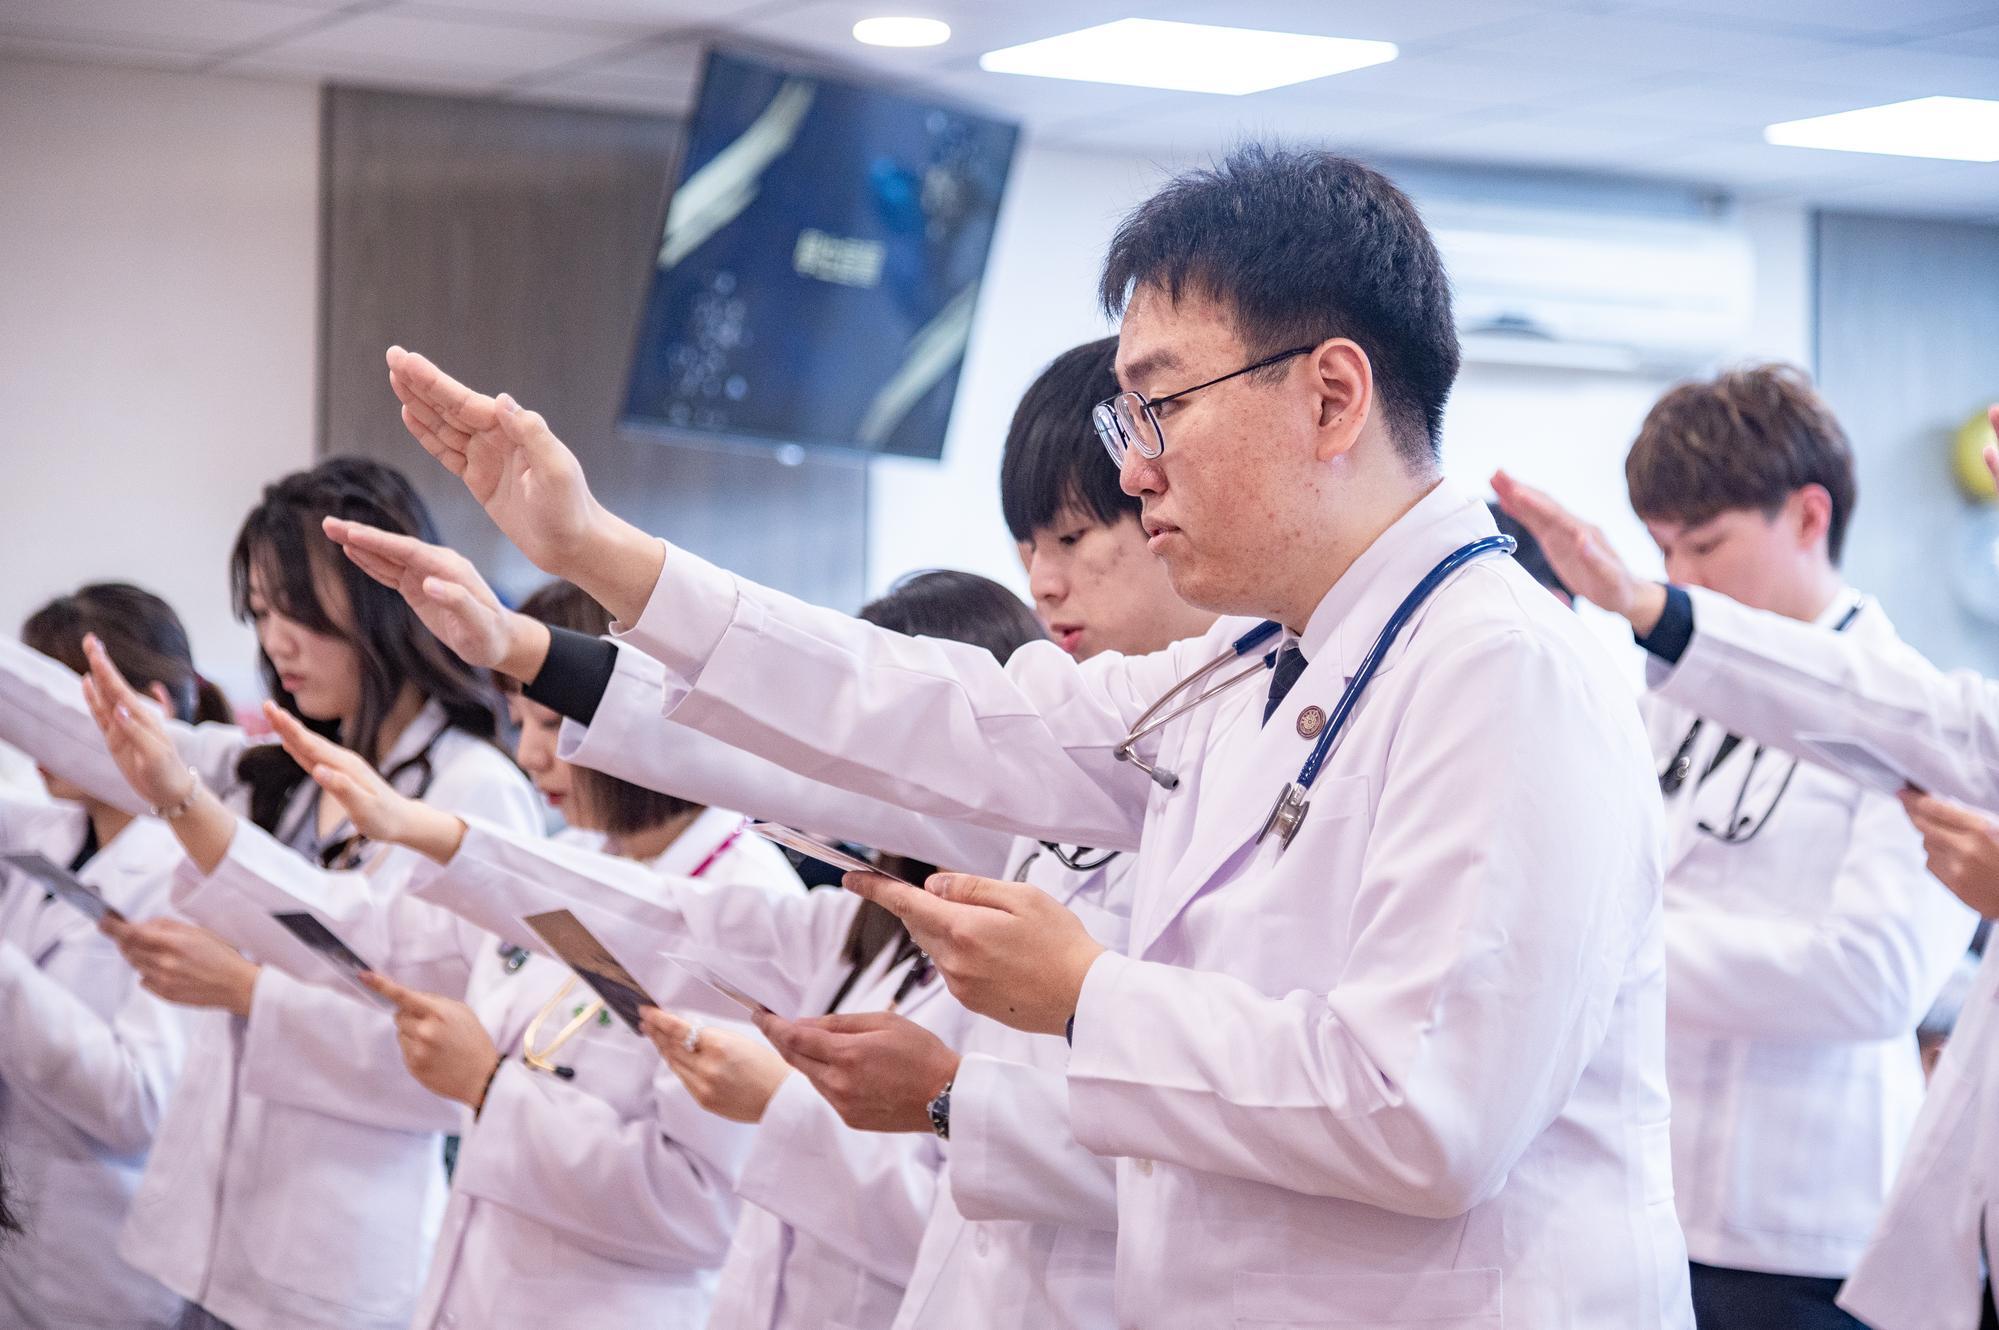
(981, 1241)
(1145, 1167)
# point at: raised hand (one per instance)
(377, 809)
(528, 482)
(448, 594)
(1579, 554)
(1008, 950)
(878, 1070)
(727, 1073)
(443, 1042)
(135, 734)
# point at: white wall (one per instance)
(158, 259)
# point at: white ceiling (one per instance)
(1679, 89)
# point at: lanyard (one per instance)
(1288, 813)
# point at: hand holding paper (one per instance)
(442, 1040)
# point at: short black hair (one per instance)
(960, 606)
(1053, 458)
(1305, 246)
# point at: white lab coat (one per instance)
(87, 1062)
(1038, 1251)
(606, 1199)
(295, 1180)
(1798, 964)
(1773, 679)
(832, 1216)
(1348, 1083)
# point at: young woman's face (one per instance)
(321, 672)
(555, 778)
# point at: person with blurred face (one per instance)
(1366, 1034)
(1787, 683)
(294, 1180)
(88, 1059)
(1804, 939)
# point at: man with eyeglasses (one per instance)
(1804, 939)
(1384, 1046)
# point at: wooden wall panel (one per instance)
(513, 245)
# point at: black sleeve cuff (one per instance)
(1669, 637)
(575, 674)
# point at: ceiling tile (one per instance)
(1844, 17)
(634, 17)
(96, 53)
(467, 48)
(169, 25)
(1743, 104)
(1904, 71)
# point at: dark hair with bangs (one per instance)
(1304, 246)
(1053, 458)
(961, 607)
(621, 807)
(143, 637)
(1747, 438)
(282, 545)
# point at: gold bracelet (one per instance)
(185, 802)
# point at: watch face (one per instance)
(940, 1113)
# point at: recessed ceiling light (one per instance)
(1960, 129)
(1187, 57)
(902, 31)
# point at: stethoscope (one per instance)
(1288, 813)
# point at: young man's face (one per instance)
(1097, 588)
(1230, 497)
(1768, 561)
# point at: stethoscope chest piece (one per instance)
(1286, 815)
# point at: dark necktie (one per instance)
(1290, 664)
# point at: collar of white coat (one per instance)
(1352, 613)
(703, 838)
(424, 729)
(1844, 601)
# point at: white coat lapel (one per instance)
(1247, 762)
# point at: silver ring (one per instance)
(692, 1043)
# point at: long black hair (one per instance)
(282, 549)
(142, 635)
(962, 607)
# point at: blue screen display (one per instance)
(819, 265)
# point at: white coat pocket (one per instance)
(1368, 1299)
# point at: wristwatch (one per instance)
(940, 1112)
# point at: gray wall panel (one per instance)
(513, 245)
(1907, 311)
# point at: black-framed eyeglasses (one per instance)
(1128, 421)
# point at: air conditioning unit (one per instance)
(1595, 290)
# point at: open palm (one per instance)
(525, 478)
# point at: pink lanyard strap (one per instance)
(720, 850)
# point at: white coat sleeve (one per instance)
(777, 944)
(1865, 968)
(336, 1055)
(1490, 928)
(1772, 679)
(43, 714)
(1014, 1154)
(865, 1194)
(108, 1078)
(370, 909)
(631, 739)
(937, 727)
(655, 1191)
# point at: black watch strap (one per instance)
(940, 1112)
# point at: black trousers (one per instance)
(1751, 1300)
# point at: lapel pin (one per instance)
(1310, 721)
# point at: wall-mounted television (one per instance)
(819, 264)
